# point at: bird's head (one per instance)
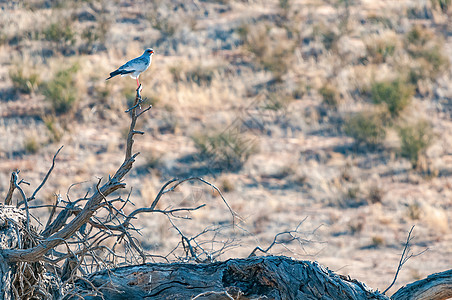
(149, 51)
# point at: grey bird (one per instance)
(135, 67)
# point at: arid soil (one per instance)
(256, 97)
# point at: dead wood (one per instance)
(406, 255)
(437, 286)
(61, 231)
(270, 277)
(30, 265)
(43, 264)
(22, 280)
(34, 264)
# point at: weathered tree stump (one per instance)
(272, 277)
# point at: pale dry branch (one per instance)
(59, 231)
(195, 250)
(178, 182)
(22, 193)
(12, 186)
(52, 212)
(276, 241)
(406, 255)
(33, 196)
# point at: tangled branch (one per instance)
(286, 237)
(93, 232)
(60, 232)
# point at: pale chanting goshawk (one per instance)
(135, 67)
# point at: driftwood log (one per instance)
(270, 277)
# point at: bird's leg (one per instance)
(139, 89)
(138, 84)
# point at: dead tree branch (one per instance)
(33, 196)
(406, 255)
(74, 238)
(12, 186)
(291, 235)
(178, 182)
(60, 234)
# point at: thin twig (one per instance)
(163, 191)
(406, 255)
(33, 196)
(22, 193)
(54, 207)
(144, 110)
(277, 242)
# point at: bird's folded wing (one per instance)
(134, 64)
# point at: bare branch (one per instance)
(45, 178)
(164, 190)
(144, 110)
(161, 192)
(60, 220)
(12, 186)
(276, 241)
(52, 213)
(22, 193)
(406, 255)
(36, 253)
(133, 122)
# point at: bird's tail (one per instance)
(113, 74)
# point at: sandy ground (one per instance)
(304, 168)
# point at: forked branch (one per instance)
(61, 234)
(406, 255)
(291, 235)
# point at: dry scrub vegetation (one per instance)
(334, 110)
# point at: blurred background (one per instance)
(336, 113)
